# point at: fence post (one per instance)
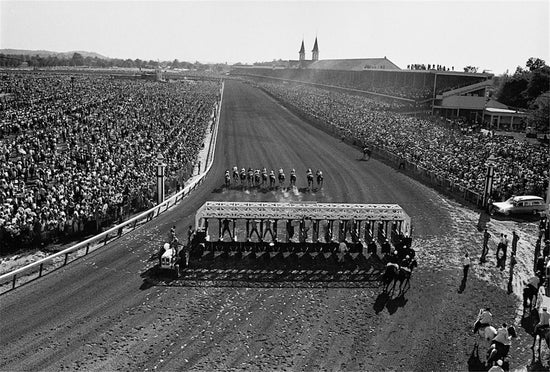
(87, 248)
(40, 271)
(13, 282)
(66, 258)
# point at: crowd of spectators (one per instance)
(449, 152)
(421, 66)
(78, 152)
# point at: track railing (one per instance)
(37, 269)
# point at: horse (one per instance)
(235, 175)
(498, 350)
(530, 294)
(257, 178)
(309, 180)
(292, 179)
(404, 278)
(542, 333)
(281, 179)
(390, 274)
(487, 333)
(271, 180)
(250, 177)
(319, 179)
(227, 179)
(264, 178)
(243, 177)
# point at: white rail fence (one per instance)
(35, 270)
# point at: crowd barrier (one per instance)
(412, 169)
(37, 269)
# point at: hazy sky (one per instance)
(493, 35)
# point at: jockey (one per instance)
(293, 172)
(484, 319)
(544, 321)
(264, 171)
(309, 172)
(319, 173)
(235, 170)
(227, 172)
(271, 173)
(281, 171)
(243, 171)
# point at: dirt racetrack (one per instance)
(99, 314)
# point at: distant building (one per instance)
(355, 64)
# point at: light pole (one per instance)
(488, 190)
(160, 178)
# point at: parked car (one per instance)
(526, 204)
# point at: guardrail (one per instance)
(115, 232)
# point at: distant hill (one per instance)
(47, 53)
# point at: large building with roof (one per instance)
(354, 64)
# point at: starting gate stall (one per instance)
(321, 227)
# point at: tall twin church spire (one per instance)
(314, 52)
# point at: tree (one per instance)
(540, 116)
(77, 59)
(535, 64)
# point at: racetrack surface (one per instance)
(99, 314)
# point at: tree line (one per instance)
(11, 60)
(528, 89)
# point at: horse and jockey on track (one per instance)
(257, 177)
(250, 177)
(227, 178)
(293, 178)
(242, 175)
(319, 179)
(281, 177)
(264, 177)
(235, 175)
(309, 175)
(499, 339)
(272, 179)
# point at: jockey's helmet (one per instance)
(281, 170)
(243, 170)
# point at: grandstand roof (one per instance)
(358, 64)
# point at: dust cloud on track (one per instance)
(98, 314)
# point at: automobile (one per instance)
(526, 204)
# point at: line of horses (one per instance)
(261, 178)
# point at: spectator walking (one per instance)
(515, 239)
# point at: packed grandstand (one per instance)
(78, 153)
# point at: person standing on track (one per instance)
(485, 248)
(466, 267)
